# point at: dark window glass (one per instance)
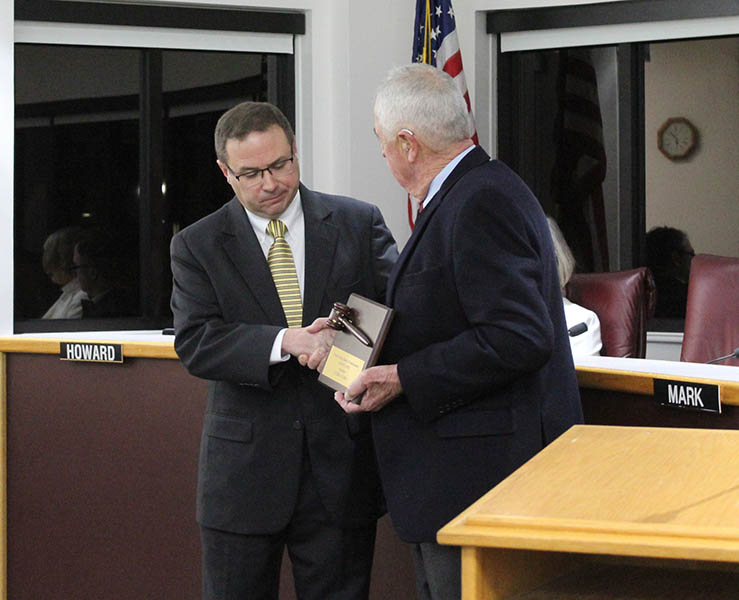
(114, 153)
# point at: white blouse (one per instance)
(588, 343)
(69, 304)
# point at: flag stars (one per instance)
(451, 12)
(433, 33)
(438, 11)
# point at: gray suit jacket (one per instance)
(226, 316)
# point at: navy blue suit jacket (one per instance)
(260, 418)
(481, 344)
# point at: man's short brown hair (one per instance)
(242, 119)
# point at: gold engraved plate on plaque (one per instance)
(342, 367)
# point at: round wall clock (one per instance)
(677, 138)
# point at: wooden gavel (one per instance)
(340, 319)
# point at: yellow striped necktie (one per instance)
(282, 265)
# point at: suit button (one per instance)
(297, 424)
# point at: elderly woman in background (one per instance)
(587, 343)
(58, 265)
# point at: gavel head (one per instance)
(339, 312)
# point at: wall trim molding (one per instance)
(149, 15)
(606, 13)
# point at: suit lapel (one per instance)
(475, 158)
(321, 238)
(242, 247)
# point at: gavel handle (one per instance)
(356, 332)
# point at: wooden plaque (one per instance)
(348, 356)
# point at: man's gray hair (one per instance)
(425, 100)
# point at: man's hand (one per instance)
(380, 385)
(310, 344)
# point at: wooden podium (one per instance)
(609, 512)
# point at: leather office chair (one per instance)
(712, 312)
(623, 301)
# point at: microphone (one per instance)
(734, 354)
(580, 328)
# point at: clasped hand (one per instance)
(310, 344)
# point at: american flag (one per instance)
(580, 165)
(435, 43)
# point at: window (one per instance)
(653, 60)
(114, 148)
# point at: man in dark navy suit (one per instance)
(476, 374)
(281, 465)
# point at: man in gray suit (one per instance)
(281, 465)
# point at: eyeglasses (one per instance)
(254, 177)
(75, 267)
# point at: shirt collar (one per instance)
(441, 176)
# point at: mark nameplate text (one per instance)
(689, 395)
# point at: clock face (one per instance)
(677, 138)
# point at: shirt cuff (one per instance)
(276, 356)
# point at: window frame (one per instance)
(162, 27)
(627, 24)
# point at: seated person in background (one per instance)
(57, 264)
(669, 254)
(96, 261)
(587, 343)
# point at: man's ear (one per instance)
(223, 168)
(408, 144)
